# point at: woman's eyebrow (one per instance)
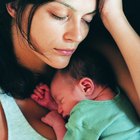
(69, 6)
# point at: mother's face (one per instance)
(58, 27)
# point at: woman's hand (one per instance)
(110, 10)
(128, 42)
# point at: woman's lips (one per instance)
(65, 52)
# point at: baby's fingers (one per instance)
(35, 97)
(38, 93)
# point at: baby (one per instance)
(86, 92)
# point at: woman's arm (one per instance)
(125, 37)
(3, 125)
(109, 49)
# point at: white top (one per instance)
(18, 126)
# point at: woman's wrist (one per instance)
(111, 11)
(111, 20)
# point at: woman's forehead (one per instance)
(79, 5)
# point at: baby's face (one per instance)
(65, 92)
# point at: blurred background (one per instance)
(132, 11)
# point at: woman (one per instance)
(37, 36)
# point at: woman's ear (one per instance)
(87, 86)
(11, 8)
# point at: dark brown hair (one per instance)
(90, 63)
(15, 79)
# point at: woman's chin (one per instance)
(59, 65)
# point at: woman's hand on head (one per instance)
(119, 27)
(110, 10)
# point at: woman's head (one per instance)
(34, 33)
(49, 31)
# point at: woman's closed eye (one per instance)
(59, 17)
(88, 18)
(87, 22)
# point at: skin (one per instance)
(65, 92)
(117, 24)
(35, 61)
(67, 26)
(113, 21)
(55, 33)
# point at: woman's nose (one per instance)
(73, 33)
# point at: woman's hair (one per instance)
(14, 78)
(90, 63)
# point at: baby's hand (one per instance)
(57, 122)
(54, 119)
(43, 97)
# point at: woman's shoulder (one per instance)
(3, 125)
(33, 113)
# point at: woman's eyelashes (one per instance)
(59, 17)
(88, 19)
(66, 17)
(87, 22)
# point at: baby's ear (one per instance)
(87, 86)
(11, 9)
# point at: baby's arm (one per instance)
(56, 121)
(43, 97)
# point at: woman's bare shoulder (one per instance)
(33, 113)
(3, 125)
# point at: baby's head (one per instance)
(87, 71)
